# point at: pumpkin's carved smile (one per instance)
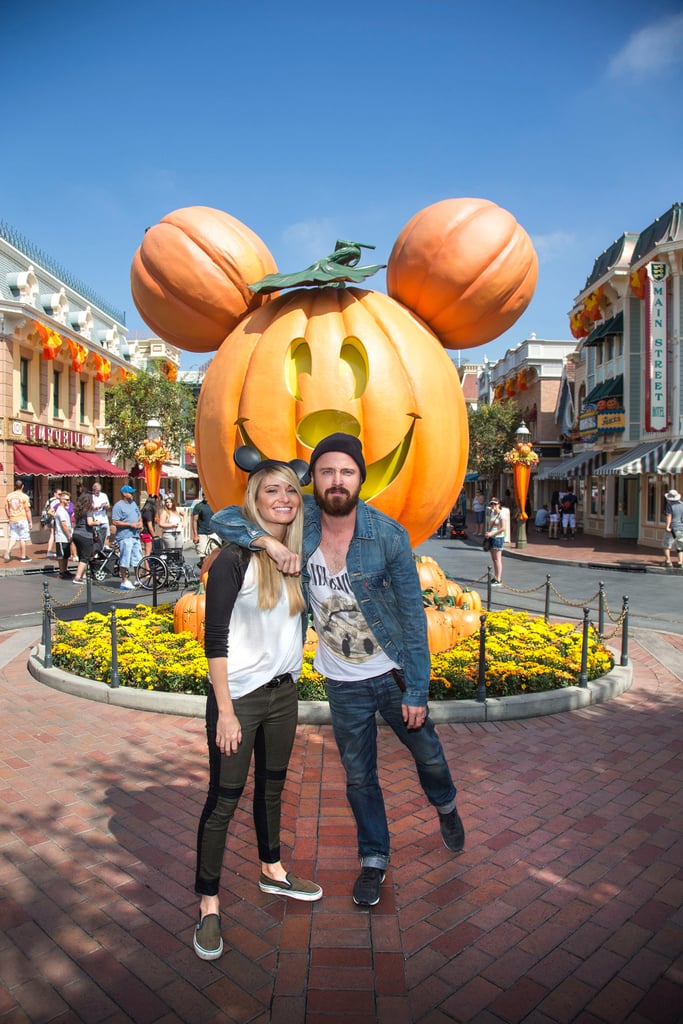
(317, 425)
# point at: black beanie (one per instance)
(346, 443)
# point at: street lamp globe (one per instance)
(153, 429)
(522, 434)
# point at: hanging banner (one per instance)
(655, 337)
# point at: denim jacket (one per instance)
(383, 578)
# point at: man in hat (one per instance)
(365, 596)
(126, 517)
(673, 537)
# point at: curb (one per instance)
(317, 712)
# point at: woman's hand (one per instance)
(228, 733)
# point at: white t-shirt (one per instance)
(100, 504)
(346, 648)
(62, 524)
(251, 658)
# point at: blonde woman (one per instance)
(252, 704)
(171, 524)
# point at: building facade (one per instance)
(533, 375)
(628, 320)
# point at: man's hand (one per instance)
(288, 562)
(414, 717)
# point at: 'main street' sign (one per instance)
(656, 319)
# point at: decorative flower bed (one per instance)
(523, 655)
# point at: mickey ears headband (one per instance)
(249, 459)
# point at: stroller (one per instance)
(105, 563)
(458, 526)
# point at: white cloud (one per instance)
(549, 247)
(650, 50)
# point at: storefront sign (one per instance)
(655, 337)
(593, 422)
(52, 436)
(611, 421)
(588, 424)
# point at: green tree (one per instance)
(148, 396)
(492, 433)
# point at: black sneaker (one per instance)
(496, 583)
(366, 887)
(207, 941)
(452, 831)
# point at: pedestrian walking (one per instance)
(18, 512)
(673, 525)
(496, 535)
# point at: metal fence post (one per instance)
(481, 680)
(546, 612)
(488, 589)
(601, 609)
(47, 627)
(88, 590)
(624, 631)
(583, 678)
(154, 589)
(115, 681)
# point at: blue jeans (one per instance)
(352, 707)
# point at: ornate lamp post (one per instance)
(151, 454)
(521, 459)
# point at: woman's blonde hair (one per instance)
(268, 575)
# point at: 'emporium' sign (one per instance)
(655, 325)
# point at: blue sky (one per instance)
(312, 122)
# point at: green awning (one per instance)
(612, 388)
(615, 325)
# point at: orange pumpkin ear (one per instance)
(465, 267)
(190, 277)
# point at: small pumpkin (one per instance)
(453, 589)
(465, 267)
(439, 630)
(432, 576)
(470, 599)
(189, 278)
(467, 621)
(188, 614)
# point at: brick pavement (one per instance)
(565, 906)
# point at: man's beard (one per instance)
(336, 501)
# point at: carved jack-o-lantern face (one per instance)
(317, 361)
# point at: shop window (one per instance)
(83, 399)
(24, 367)
(598, 489)
(652, 505)
(609, 345)
(56, 405)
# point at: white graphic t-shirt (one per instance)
(346, 647)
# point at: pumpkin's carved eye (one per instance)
(298, 361)
(354, 355)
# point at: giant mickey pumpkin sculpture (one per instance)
(305, 363)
